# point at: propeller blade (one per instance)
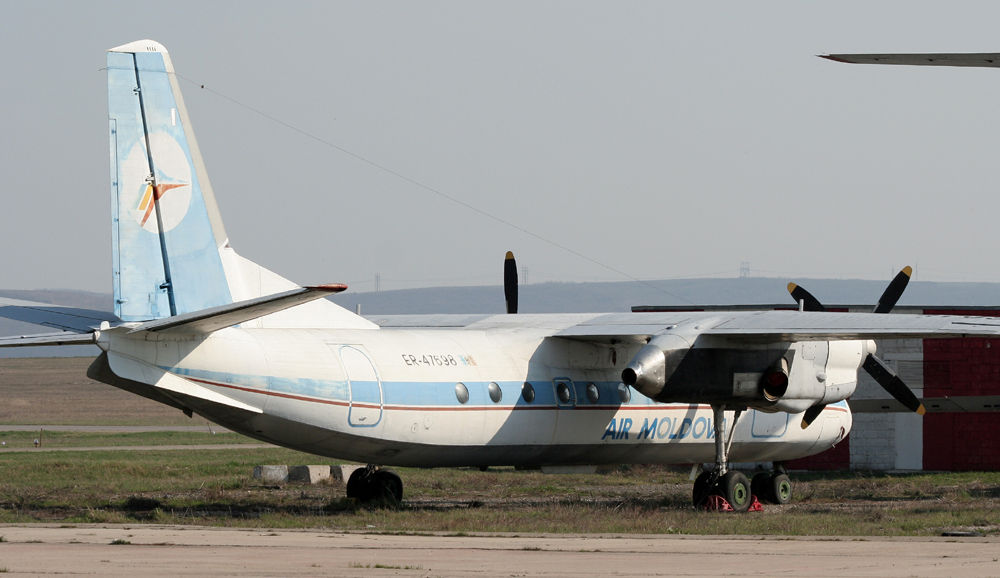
(889, 381)
(510, 282)
(800, 295)
(811, 414)
(893, 292)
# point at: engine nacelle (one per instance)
(787, 377)
(655, 364)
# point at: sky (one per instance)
(600, 141)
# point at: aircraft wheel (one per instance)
(735, 488)
(779, 489)
(370, 485)
(359, 485)
(702, 490)
(388, 487)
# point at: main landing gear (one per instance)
(733, 486)
(373, 485)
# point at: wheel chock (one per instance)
(716, 503)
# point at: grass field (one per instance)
(215, 487)
(25, 440)
(57, 391)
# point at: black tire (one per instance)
(387, 487)
(735, 488)
(779, 489)
(701, 490)
(359, 485)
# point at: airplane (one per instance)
(204, 330)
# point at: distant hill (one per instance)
(560, 298)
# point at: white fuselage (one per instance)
(456, 397)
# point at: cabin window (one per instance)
(624, 393)
(528, 392)
(496, 394)
(562, 390)
(461, 392)
(593, 394)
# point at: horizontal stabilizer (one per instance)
(128, 368)
(215, 318)
(66, 318)
(64, 338)
(978, 59)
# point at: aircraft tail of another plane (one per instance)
(171, 254)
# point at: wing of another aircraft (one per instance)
(977, 59)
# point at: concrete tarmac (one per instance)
(198, 551)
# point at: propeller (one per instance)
(880, 372)
(809, 303)
(893, 292)
(510, 282)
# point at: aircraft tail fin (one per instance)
(171, 255)
(167, 231)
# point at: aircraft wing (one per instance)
(433, 321)
(772, 326)
(804, 326)
(745, 325)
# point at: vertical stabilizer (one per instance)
(171, 253)
(166, 229)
